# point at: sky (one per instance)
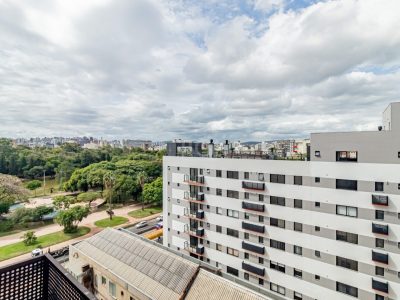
(248, 70)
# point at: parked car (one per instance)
(36, 252)
(159, 225)
(141, 224)
(159, 218)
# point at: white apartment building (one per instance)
(327, 228)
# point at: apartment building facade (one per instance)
(327, 228)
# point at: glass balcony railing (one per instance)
(380, 200)
(253, 269)
(380, 286)
(253, 248)
(253, 227)
(253, 185)
(253, 206)
(380, 229)
(380, 257)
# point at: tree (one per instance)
(5, 207)
(88, 197)
(29, 238)
(62, 202)
(109, 182)
(11, 191)
(70, 218)
(34, 185)
(141, 180)
(40, 211)
(152, 192)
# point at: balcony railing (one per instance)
(380, 200)
(41, 277)
(253, 269)
(381, 229)
(200, 214)
(380, 286)
(194, 197)
(194, 180)
(253, 248)
(259, 186)
(253, 206)
(253, 227)
(380, 257)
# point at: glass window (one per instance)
(219, 210)
(219, 192)
(260, 198)
(219, 229)
(277, 244)
(277, 200)
(232, 174)
(232, 271)
(379, 271)
(232, 213)
(298, 226)
(347, 237)
(379, 243)
(246, 195)
(261, 176)
(219, 173)
(232, 251)
(317, 179)
(277, 222)
(103, 280)
(379, 214)
(297, 273)
(277, 178)
(277, 288)
(346, 289)
(346, 210)
(232, 232)
(346, 156)
(347, 263)
(232, 194)
(112, 289)
(379, 186)
(246, 175)
(345, 184)
(298, 180)
(298, 203)
(297, 250)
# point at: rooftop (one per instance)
(159, 272)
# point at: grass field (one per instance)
(145, 213)
(116, 220)
(44, 241)
(19, 228)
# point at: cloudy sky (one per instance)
(162, 69)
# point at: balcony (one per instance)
(199, 197)
(380, 200)
(194, 180)
(380, 286)
(41, 277)
(253, 269)
(200, 214)
(380, 257)
(380, 229)
(200, 249)
(258, 186)
(253, 227)
(253, 248)
(253, 206)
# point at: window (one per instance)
(379, 297)
(317, 204)
(379, 243)
(261, 260)
(261, 176)
(232, 251)
(379, 186)
(246, 235)
(219, 192)
(261, 240)
(277, 266)
(348, 211)
(246, 216)
(317, 277)
(246, 175)
(232, 213)
(298, 203)
(112, 289)
(298, 180)
(297, 273)
(277, 244)
(297, 250)
(246, 255)
(246, 276)
(219, 229)
(277, 222)
(379, 271)
(201, 171)
(232, 232)
(347, 237)
(219, 173)
(347, 263)
(246, 195)
(96, 284)
(346, 156)
(317, 253)
(208, 171)
(277, 178)
(346, 289)
(345, 184)
(219, 211)
(317, 179)
(379, 214)
(317, 228)
(261, 219)
(297, 296)
(261, 198)
(277, 200)
(232, 194)
(298, 226)
(232, 174)
(318, 153)
(103, 280)
(232, 271)
(260, 281)
(277, 288)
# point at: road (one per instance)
(151, 223)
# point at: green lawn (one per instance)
(50, 184)
(44, 241)
(116, 220)
(145, 213)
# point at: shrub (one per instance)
(29, 238)
(6, 225)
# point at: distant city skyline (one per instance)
(249, 70)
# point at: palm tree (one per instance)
(141, 180)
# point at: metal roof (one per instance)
(208, 286)
(151, 270)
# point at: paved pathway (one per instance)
(89, 222)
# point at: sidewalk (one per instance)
(89, 222)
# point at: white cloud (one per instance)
(166, 69)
